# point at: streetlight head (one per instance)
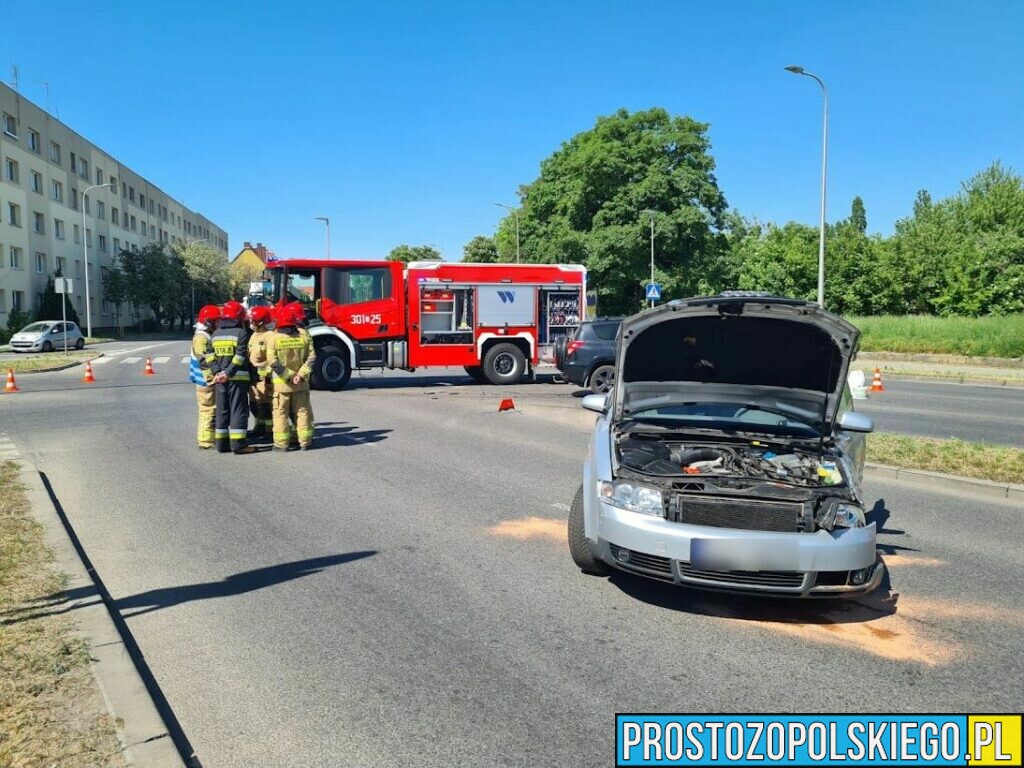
(795, 69)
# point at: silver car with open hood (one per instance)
(728, 455)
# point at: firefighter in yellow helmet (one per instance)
(261, 392)
(199, 373)
(290, 357)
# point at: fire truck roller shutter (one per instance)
(507, 305)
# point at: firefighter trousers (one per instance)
(292, 407)
(232, 422)
(206, 399)
(261, 403)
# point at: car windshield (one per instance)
(36, 327)
(734, 416)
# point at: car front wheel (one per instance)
(602, 379)
(80, 343)
(579, 544)
(47, 346)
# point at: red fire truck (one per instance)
(498, 321)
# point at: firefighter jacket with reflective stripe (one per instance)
(258, 352)
(199, 365)
(230, 346)
(290, 352)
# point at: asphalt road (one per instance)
(402, 595)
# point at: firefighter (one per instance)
(199, 373)
(302, 322)
(261, 391)
(290, 357)
(230, 366)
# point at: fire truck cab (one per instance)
(497, 321)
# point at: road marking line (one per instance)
(100, 360)
(161, 360)
(185, 359)
(130, 360)
(139, 349)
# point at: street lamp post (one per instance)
(824, 167)
(85, 251)
(514, 212)
(327, 223)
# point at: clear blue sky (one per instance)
(405, 121)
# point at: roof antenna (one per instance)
(46, 85)
(14, 77)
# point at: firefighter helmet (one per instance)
(209, 313)
(232, 310)
(260, 315)
(298, 312)
(284, 317)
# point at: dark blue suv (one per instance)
(587, 359)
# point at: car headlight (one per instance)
(842, 514)
(631, 497)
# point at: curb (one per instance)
(63, 367)
(975, 486)
(145, 738)
(943, 359)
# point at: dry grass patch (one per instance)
(41, 361)
(51, 713)
(1001, 463)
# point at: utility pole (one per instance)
(824, 168)
(327, 223)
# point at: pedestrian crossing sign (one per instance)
(654, 291)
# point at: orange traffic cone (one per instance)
(88, 374)
(149, 368)
(506, 405)
(876, 381)
(10, 386)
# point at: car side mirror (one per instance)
(596, 403)
(851, 421)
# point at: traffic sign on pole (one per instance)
(654, 291)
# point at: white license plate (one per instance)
(743, 555)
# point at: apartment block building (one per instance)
(47, 178)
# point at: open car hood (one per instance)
(783, 355)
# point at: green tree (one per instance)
(115, 288)
(588, 206)
(408, 253)
(207, 272)
(480, 250)
(50, 308)
(858, 216)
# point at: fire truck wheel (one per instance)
(579, 544)
(504, 364)
(476, 373)
(332, 369)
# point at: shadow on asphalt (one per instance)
(167, 597)
(409, 381)
(332, 434)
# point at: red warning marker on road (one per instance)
(10, 386)
(876, 381)
(88, 374)
(506, 405)
(149, 368)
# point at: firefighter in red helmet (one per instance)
(261, 391)
(199, 373)
(290, 357)
(230, 367)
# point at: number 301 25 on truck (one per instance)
(497, 321)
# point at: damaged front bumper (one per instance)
(836, 563)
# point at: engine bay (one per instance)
(751, 460)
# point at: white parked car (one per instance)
(46, 336)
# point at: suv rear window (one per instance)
(606, 331)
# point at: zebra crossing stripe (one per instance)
(161, 360)
(101, 360)
(130, 360)
(185, 360)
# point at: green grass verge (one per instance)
(1001, 463)
(976, 336)
(41, 361)
(50, 710)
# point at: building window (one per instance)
(10, 126)
(17, 301)
(11, 170)
(61, 265)
(151, 205)
(58, 229)
(124, 189)
(101, 209)
(142, 202)
(57, 191)
(133, 227)
(83, 168)
(85, 203)
(115, 216)
(14, 215)
(113, 185)
(102, 242)
(55, 152)
(131, 194)
(74, 198)
(77, 234)
(99, 175)
(41, 263)
(117, 245)
(37, 182)
(33, 141)
(74, 163)
(38, 223)
(15, 257)
(88, 238)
